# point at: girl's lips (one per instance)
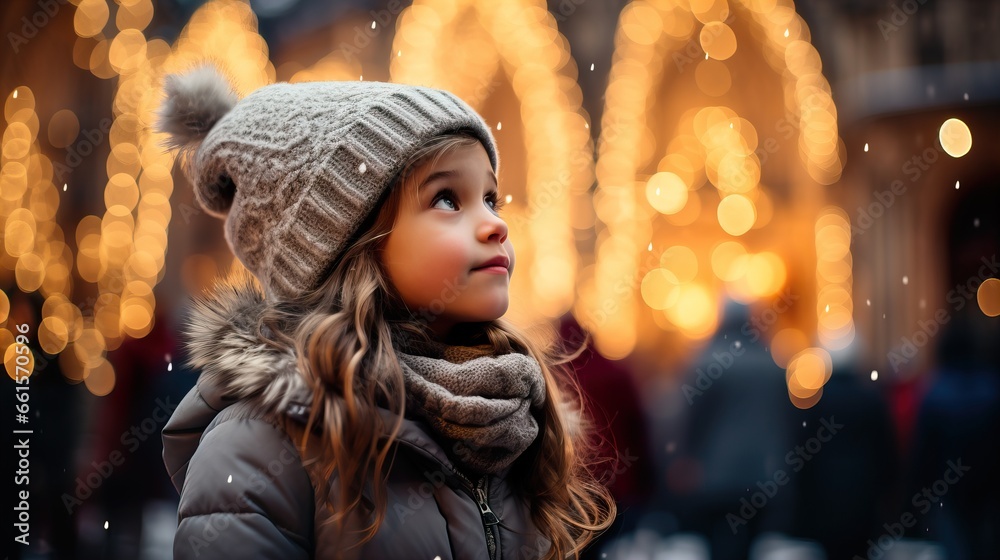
(491, 270)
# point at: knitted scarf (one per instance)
(482, 405)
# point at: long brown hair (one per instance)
(343, 334)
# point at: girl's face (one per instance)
(442, 235)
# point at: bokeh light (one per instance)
(955, 137)
(736, 214)
(988, 297)
(666, 192)
(718, 40)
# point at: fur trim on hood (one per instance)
(221, 341)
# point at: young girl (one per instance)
(360, 395)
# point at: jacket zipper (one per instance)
(481, 492)
(489, 518)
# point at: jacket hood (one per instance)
(235, 366)
(222, 343)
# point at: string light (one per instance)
(712, 144)
(32, 246)
(835, 325)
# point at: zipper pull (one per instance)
(489, 518)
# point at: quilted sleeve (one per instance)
(246, 495)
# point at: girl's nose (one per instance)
(493, 227)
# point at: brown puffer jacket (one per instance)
(246, 494)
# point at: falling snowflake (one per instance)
(105, 525)
(866, 147)
(591, 66)
(362, 168)
(956, 185)
(906, 280)
(874, 374)
(868, 302)
(229, 480)
(373, 25)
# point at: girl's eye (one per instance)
(449, 195)
(498, 203)
(445, 194)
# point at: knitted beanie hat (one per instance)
(295, 169)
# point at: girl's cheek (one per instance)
(510, 253)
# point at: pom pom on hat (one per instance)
(195, 102)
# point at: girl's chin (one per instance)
(490, 313)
